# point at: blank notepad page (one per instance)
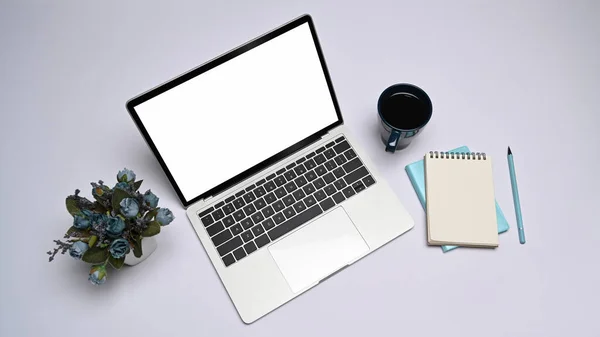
(461, 207)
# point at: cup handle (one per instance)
(393, 141)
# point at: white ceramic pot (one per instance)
(148, 247)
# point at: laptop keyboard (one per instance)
(285, 200)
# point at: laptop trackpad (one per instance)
(319, 249)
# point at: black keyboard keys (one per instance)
(278, 206)
(340, 159)
(352, 165)
(269, 186)
(300, 181)
(221, 237)
(330, 189)
(330, 165)
(262, 240)
(368, 180)
(280, 180)
(338, 197)
(309, 201)
(348, 192)
(207, 220)
(249, 197)
(288, 200)
(280, 192)
(228, 221)
(299, 207)
(239, 253)
(229, 245)
(350, 154)
(239, 203)
(310, 164)
(257, 217)
(358, 186)
(278, 218)
(311, 175)
(339, 172)
(340, 184)
(228, 260)
(329, 178)
(320, 195)
(247, 236)
(289, 212)
(246, 223)
(319, 159)
(327, 204)
(268, 211)
(228, 209)
(236, 229)
(290, 175)
(257, 230)
(321, 170)
(341, 147)
(300, 170)
(249, 209)
(299, 194)
(239, 215)
(214, 229)
(260, 191)
(290, 187)
(319, 183)
(354, 176)
(295, 222)
(268, 224)
(270, 198)
(308, 189)
(329, 153)
(218, 215)
(250, 247)
(260, 203)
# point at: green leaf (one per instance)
(118, 195)
(72, 230)
(116, 263)
(137, 184)
(72, 207)
(95, 255)
(92, 241)
(137, 247)
(98, 207)
(151, 214)
(153, 229)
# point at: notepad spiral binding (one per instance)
(458, 155)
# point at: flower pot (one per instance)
(148, 247)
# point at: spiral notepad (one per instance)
(461, 208)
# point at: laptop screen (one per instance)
(240, 113)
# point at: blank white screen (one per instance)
(234, 116)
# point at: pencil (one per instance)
(515, 192)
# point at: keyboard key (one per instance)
(205, 212)
(260, 191)
(310, 155)
(321, 170)
(236, 229)
(329, 154)
(339, 139)
(340, 184)
(301, 160)
(280, 192)
(330, 165)
(228, 260)
(309, 189)
(249, 209)
(250, 188)
(300, 181)
(246, 223)
(338, 197)
(218, 215)
(268, 211)
(280, 180)
(288, 200)
(320, 195)
(310, 200)
(348, 192)
(260, 203)
(299, 206)
(368, 180)
(262, 240)
(341, 147)
(268, 224)
(239, 203)
(339, 172)
(319, 183)
(327, 204)
(270, 176)
(214, 229)
(228, 209)
(358, 186)
(247, 236)
(330, 144)
(290, 187)
(329, 178)
(250, 247)
(290, 175)
(278, 218)
(330, 189)
(239, 253)
(221, 237)
(207, 220)
(321, 149)
(310, 164)
(319, 159)
(278, 206)
(260, 182)
(269, 186)
(257, 230)
(239, 215)
(350, 154)
(249, 197)
(295, 222)
(354, 176)
(240, 193)
(219, 204)
(228, 221)
(280, 171)
(300, 170)
(352, 165)
(257, 217)
(229, 245)
(311, 175)
(270, 198)
(289, 212)
(340, 159)
(299, 194)
(290, 166)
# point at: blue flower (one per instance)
(164, 216)
(129, 207)
(119, 248)
(81, 222)
(123, 186)
(99, 219)
(150, 199)
(125, 175)
(114, 226)
(97, 275)
(78, 249)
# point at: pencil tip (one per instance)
(509, 151)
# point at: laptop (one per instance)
(278, 191)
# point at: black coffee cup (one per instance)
(404, 110)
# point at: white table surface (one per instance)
(518, 73)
